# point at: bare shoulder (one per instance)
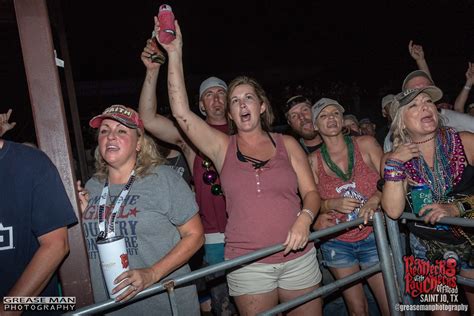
(467, 140)
(289, 141)
(366, 141)
(466, 137)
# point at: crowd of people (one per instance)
(230, 185)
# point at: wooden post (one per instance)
(51, 130)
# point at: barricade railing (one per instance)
(390, 264)
(169, 285)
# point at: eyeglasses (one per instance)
(297, 99)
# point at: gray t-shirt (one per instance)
(155, 205)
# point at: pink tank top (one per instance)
(262, 204)
(361, 186)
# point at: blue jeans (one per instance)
(342, 254)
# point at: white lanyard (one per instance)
(109, 231)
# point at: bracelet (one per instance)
(394, 173)
(306, 211)
(467, 88)
(396, 163)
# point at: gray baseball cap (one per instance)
(323, 103)
(210, 82)
(405, 97)
(413, 74)
(386, 100)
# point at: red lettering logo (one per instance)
(124, 259)
(423, 277)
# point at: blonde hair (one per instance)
(267, 117)
(399, 132)
(147, 157)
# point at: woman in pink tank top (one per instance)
(346, 171)
(270, 169)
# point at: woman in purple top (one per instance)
(261, 174)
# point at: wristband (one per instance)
(305, 210)
(467, 88)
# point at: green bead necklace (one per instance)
(334, 168)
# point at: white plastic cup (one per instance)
(114, 261)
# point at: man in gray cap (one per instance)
(212, 209)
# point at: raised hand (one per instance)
(470, 74)
(416, 51)
(5, 126)
(177, 44)
(151, 50)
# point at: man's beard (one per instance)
(308, 135)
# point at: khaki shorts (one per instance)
(257, 278)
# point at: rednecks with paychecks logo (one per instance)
(431, 282)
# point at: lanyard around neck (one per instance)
(109, 230)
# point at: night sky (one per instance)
(288, 43)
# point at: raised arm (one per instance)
(464, 94)
(196, 129)
(417, 53)
(158, 125)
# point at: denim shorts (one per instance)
(419, 250)
(343, 254)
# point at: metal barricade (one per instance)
(391, 266)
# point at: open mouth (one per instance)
(218, 108)
(245, 117)
(112, 148)
(307, 125)
(427, 119)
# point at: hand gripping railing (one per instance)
(160, 287)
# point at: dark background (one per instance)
(359, 47)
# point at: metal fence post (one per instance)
(386, 263)
(395, 243)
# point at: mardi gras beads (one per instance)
(210, 177)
